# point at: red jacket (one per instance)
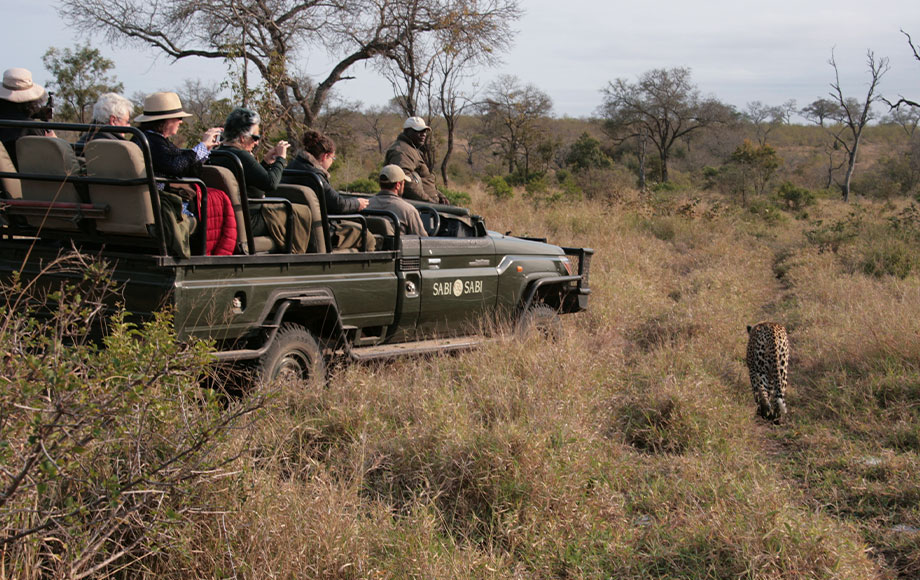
(221, 226)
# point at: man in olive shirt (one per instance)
(393, 181)
(406, 152)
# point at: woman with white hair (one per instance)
(110, 109)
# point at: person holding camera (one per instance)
(241, 133)
(22, 100)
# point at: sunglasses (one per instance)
(255, 137)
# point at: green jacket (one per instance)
(403, 153)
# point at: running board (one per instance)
(366, 353)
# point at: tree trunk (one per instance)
(664, 166)
(642, 153)
(851, 164)
(447, 153)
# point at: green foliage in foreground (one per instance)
(102, 447)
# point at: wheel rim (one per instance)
(293, 365)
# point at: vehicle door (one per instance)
(458, 285)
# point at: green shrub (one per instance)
(499, 188)
(104, 447)
(889, 258)
(456, 197)
(793, 197)
(586, 153)
(363, 185)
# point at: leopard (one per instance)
(768, 365)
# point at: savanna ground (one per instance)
(627, 449)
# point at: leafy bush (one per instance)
(586, 153)
(456, 197)
(102, 448)
(363, 185)
(889, 258)
(499, 188)
(793, 197)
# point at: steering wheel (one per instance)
(431, 219)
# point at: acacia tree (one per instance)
(272, 35)
(80, 76)
(664, 106)
(511, 117)
(766, 118)
(854, 115)
(824, 112)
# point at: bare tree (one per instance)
(854, 115)
(511, 114)
(428, 72)
(902, 101)
(663, 105)
(270, 35)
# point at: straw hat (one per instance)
(159, 106)
(18, 86)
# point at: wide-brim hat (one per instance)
(393, 174)
(416, 124)
(18, 86)
(159, 106)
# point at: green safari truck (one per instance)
(283, 312)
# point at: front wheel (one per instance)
(294, 355)
(540, 320)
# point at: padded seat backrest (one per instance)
(48, 156)
(305, 195)
(10, 187)
(222, 178)
(130, 207)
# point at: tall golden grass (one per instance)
(627, 449)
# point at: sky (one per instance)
(739, 51)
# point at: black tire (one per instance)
(294, 355)
(540, 320)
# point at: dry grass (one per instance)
(629, 449)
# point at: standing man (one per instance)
(393, 182)
(406, 152)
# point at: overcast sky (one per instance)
(738, 50)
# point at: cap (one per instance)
(393, 174)
(416, 124)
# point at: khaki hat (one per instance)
(393, 174)
(159, 106)
(416, 124)
(18, 86)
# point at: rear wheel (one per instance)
(540, 320)
(294, 355)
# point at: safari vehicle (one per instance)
(279, 311)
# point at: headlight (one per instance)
(567, 263)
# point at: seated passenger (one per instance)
(110, 109)
(316, 158)
(241, 134)
(160, 120)
(392, 185)
(21, 100)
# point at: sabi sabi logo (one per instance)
(457, 288)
